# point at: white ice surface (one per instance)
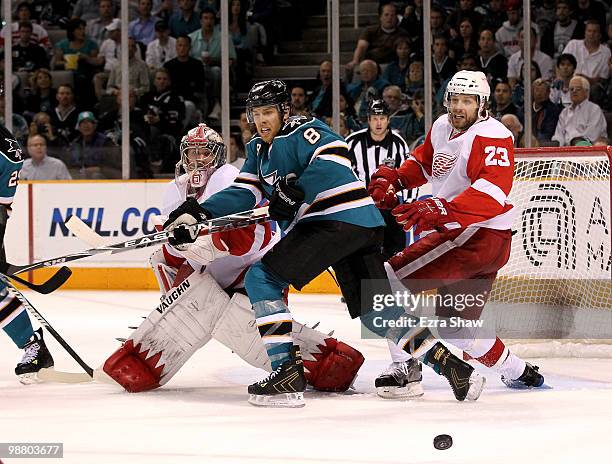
(202, 416)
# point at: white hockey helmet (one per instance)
(469, 83)
(202, 151)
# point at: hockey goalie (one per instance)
(203, 296)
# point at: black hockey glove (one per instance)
(286, 199)
(190, 212)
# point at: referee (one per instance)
(375, 145)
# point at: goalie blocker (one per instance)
(198, 309)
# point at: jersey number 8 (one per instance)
(311, 135)
(496, 156)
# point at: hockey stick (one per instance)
(39, 317)
(52, 284)
(229, 222)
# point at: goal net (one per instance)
(556, 286)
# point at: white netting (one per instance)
(557, 283)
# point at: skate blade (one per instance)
(410, 391)
(282, 400)
(30, 378)
(477, 384)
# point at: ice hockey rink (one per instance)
(202, 416)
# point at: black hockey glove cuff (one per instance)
(286, 199)
(190, 212)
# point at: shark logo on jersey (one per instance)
(13, 152)
(442, 164)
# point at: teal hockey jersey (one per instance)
(319, 158)
(11, 161)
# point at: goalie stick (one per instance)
(52, 374)
(211, 226)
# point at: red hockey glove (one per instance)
(431, 214)
(383, 187)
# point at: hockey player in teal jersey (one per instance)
(14, 319)
(304, 169)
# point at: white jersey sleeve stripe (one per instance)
(484, 186)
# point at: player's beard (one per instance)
(464, 122)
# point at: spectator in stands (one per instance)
(415, 125)
(236, 151)
(513, 124)
(89, 150)
(39, 34)
(347, 108)
(164, 113)
(507, 35)
(367, 88)
(518, 91)
(20, 125)
(376, 42)
(96, 27)
(206, 46)
(493, 63)
(186, 21)
(582, 118)
(321, 103)
(398, 108)
(26, 55)
(246, 40)
(544, 62)
(41, 125)
(139, 74)
(396, 71)
(412, 19)
(544, 114)
(469, 62)
(245, 128)
(545, 16)
(566, 66)
(563, 30)
(64, 115)
(40, 166)
(465, 11)
(162, 49)
(86, 9)
(110, 125)
(466, 41)
(298, 101)
(142, 29)
(343, 130)
(503, 100)
(80, 54)
(414, 78)
(437, 24)
(110, 50)
(442, 65)
(164, 10)
(591, 55)
(591, 9)
(42, 93)
(187, 74)
(493, 15)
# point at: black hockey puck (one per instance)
(443, 442)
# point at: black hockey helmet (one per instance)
(267, 93)
(378, 107)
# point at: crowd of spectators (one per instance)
(66, 58)
(67, 73)
(570, 76)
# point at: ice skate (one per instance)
(36, 356)
(529, 378)
(401, 380)
(284, 387)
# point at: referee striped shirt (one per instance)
(368, 154)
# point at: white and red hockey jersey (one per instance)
(473, 170)
(246, 245)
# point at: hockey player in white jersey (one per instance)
(202, 284)
(468, 157)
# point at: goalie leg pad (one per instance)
(167, 338)
(335, 368)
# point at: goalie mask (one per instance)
(202, 152)
(469, 83)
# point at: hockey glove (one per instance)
(431, 214)
(286, 199)
(190, 212)
(384, 184)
